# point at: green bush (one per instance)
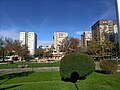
(77, 65)
(109, 66)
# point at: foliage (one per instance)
(69, 45)
(24, 52)
(64, 47)
(81, 63)
(115, 50)
(101, 48)
(74, 43)
(109, 66)
(84, 50)
(14, 47)
(48, 54)
(39, 52)
(28, 58)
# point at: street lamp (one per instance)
(13, 61)
(13, 56)
(3, 54)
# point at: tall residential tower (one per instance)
(29, 39)
(108, 27)
(58, 37)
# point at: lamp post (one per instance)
(13, 56)
(3, 54)
(13, 61)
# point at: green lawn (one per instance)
(51, 81)
(30, 64)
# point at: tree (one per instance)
(69, 45)
(39, 52)
(74, 44)
(52, 48)
(64, 47)
(14, 47)
(9, 46)
(115, 50)
(24, 52)
(101, 48)
(48, 54)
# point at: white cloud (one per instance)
(107, 13)
(79, 32)
(44, 43)
(108, 10)
(10, 33)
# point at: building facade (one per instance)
(29, 39)
(86, 37)
(118, 18)
(58, 37)
(105, 29)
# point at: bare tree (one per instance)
(15, 47)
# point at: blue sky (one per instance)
(44, 17)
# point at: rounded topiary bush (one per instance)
(76, 66)
(109, 66)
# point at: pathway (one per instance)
(18, 70)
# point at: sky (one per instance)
(44, 17)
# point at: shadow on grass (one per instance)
(73, 78)
(4, 88)
(100, 71)
(13, 75)
(76, 86)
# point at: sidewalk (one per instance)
(18, 70)
(39, 69)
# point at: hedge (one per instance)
(77, 65)
(109, 66)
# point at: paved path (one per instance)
(18, 70)
(39, 69)
(97, 67)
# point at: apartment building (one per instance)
(107, 27)
(58, 37)
(29, 39)
(86, 37)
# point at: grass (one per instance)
(30, 64)
(119, 62)
(52, 81)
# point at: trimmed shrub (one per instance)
(76, 66)
(109, 66)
